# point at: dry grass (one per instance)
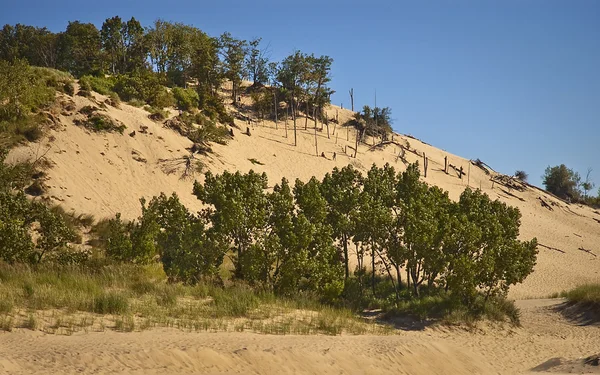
(64, 300)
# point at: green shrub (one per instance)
(185, 99)
(102, 85)
(98, 123)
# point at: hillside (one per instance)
(106, 173)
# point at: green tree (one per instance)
(483, 250)
(80, 49)
(324, 271)
(233, 52)
(237, 210)
(187, 249)
(257, 64)
(562, 182)
(342, 191)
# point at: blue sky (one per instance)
(513, 83)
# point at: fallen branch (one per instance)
(552, 248)
(544, 204)
(587, 251)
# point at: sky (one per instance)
(515, 83)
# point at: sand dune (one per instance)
(103, 174)
(107, 173)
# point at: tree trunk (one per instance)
(373, 269)
(316, 146)
(275, 100)
(346, 262)
(294, 117)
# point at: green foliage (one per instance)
(262, 102)
(144, 86)
(17, 216)
(186, 99)
(237, 210)
(102, 85)
(375, 121)
(79, 50)
(207, 131)
(124, 43)
(562, 182)
(116, 238)
(99, 123)
(21, 90)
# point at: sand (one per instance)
(487, 350)
(103, 174)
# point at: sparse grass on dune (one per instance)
(128, 297)
(588, 294)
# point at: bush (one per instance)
(185, 99)
(144, 86)
(562, 182)
(98, 123)
(521, 175)
(101, 85)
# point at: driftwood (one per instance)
(512, 195)
(587, 251)
(552, 248)
(481, 165)
(509, 182)
(544, 204)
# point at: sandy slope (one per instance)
(490, 350)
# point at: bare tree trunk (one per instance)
(286, 116)
(294, 116)
(316, 146)
(356, 145)
(352, 99)
(275, 102)
(306, 117)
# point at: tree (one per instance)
(124, 44)
(113, 41)
(521, 175)
(237, 210)
(587, 185)
(378, 121)
(291, 73)
(80, 49)
(233, 52)
(187, 249)
(36, 45)
(483, 250)
(257, 64)
(324, 272)
(562, 182)
(320, 75)
(342, 190)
